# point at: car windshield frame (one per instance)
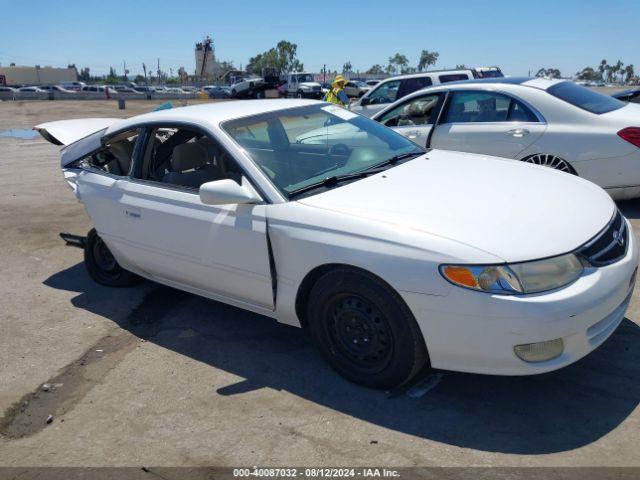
(378, 144)
(584, 98)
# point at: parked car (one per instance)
(394, 88)
(392, 257)
(554, 123)
(75, 86)
(302, 85)
(372, 83)
(56, 88)
(8, 89)
(488, 72)
(215, 91)
(31, 89)
(631, 95)
(99, 89)
(356, 88)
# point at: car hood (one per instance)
(309, 84)
(514, 211)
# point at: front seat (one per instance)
(190, 167)
(123, 152)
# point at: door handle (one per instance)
(132, 212)
(518, 132)
(413, 134)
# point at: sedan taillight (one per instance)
(631, 135)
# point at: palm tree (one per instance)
(618, 68)
(628, 70)
(602, 68)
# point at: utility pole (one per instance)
(159, 78)
(324, 73)
(124, 69)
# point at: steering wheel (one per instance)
(341, 150)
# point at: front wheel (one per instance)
(364, 329)
(551, 161)
(102, 266)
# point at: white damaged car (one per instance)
(394, 258)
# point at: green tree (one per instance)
(588, 73)
(112, 77)
(347, 68)
(629, 72)
(282, 59)
(399, 62)
(602, 68)
(427, 59)
(376, 70)
(617, 68)
(84, 75)
(549, 72)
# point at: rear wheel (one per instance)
(551, 161)
(364, 329)
(102, 266)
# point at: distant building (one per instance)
(205, 58)
(36, 75)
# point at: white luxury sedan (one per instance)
(555, 123)
(395, 259)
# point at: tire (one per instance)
(101, 265)
(364, 330)
(360, 94)
(299, 94)
(233, 93)
(551, 161)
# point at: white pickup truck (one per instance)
(301, 85)
(248, 87)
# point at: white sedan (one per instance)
(393, 258)
(555, 123)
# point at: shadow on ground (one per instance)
(554, 412)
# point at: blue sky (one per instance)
(519, 36)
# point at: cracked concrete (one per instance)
(182, 380)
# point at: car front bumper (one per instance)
(476, 332)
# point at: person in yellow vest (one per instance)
(336, 94)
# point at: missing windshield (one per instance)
(304, 146)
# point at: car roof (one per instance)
(540, 83)
(426, 74)
(211, 113)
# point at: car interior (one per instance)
(294, 153)
(173, 156)
(185, 158)
(486, 107)
(415, 112)
(116, 155)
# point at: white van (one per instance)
(394, 88)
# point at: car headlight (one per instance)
(516, 278)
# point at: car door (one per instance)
(414, 117)
(486, 122)
(221, 250)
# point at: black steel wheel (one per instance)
(551, 161)
(102, 266)
(364, 329)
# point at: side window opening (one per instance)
(116, 156)
(475, 107)
(186, 158)
(415, 112)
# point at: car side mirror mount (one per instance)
(365, 101)
(225, 192)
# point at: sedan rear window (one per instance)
(584, 98)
